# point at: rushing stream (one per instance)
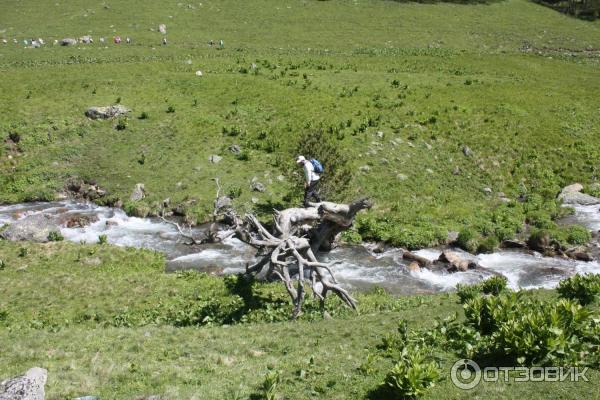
(359, 269)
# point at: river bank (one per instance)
(361, 267)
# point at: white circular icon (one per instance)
(465, 374)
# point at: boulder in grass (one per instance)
(572, 195)
(68, 42)
(139, 192)
(26, 387)
(34, 228)
(106, 112)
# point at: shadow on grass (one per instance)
(383, 392)
(464, 2)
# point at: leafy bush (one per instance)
(144, 115)
(577, 235)
(584, 288)
(488, 245)
(55, 236)
(468, 240)
(243, 156)
(170, 110)
(559, 238)
(398, 234)
(121, 124)
(492, 286)
(520, 330)
(272, 378)
(351, 237)
(102, 239)
(414, 374)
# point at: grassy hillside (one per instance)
(433, 78)
(107, 321)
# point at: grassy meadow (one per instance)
(401, 89)
(433, 78)
(107, 321)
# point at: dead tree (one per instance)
(288, 252)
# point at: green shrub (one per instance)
(121, 124)
(243, 156)
(55, 236)
(414, 374)
(540, 219)
(170, 110)
(136, 209)
(577, 235)
(351, 237)
(468, 240)
(520, 330)
(488, 245)
(272, 378)
(584, 288)
(492, 286)
(144, 115)
(102, 239)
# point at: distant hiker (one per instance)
(164, 41)
(221, 44)
(117, 39)
(312, 169)
(128, 40)
(211, 43)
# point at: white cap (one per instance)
(300, 159)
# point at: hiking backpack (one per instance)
(317, 166)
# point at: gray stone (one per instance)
(258, 187)
(364, 168)
(457, 261)
(223, 202)
(380, 134)
(26, 387)
(215, 159)
(572, 195)
(68, 42)
(281, 178)
(487, 190)
(86, 39)
(235, 149)
(451, 237)
(467, 151)
(138, 193)
(401, 177)
(513, 244)
(456, 171)
(106, 112)
(34, 228)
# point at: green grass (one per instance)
(432, 77)
(44, 291)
